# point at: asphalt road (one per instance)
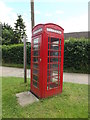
(67, 77)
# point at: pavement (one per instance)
(67, 77)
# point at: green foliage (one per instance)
(76, 54)
(14, 53)
(7, 34)
(19, 29)
(11, 35)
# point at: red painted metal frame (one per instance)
(42, 91)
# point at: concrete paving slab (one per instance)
(26, 98)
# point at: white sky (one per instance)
(72, 16)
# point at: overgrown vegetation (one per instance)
(72, 103)
(76, 52)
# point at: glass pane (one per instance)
(53, 66)
(48, 39)
(54, 47)
(35, 47)
(52, 80)
(35, 53)
(60, 47)
(52, 85)
(35, 77)
(60, 41)
(48, 53)
(60, 53)
(54, 73)
(51, 70)
(53, 53)
(35, 71)
(55, 40)
(35, 65)
(48, 46)
(53, 59)
(35, 41)
(35, 83)
(35, 59)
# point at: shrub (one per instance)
(14, 53)
(76, 54)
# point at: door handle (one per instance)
(40, 59)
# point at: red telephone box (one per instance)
(47, 51)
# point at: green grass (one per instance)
(72, 103)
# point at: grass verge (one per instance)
(72, 103)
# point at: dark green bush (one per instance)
(76, 53)
(14, 53)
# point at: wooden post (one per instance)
(25, 61)
(32, 13)
(89, 19)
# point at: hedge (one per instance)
(14, 53)
(76, 53)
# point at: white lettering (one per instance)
(39, 30)
(53, 30)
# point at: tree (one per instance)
(19, 31)
(13, 36)
(7, 34)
